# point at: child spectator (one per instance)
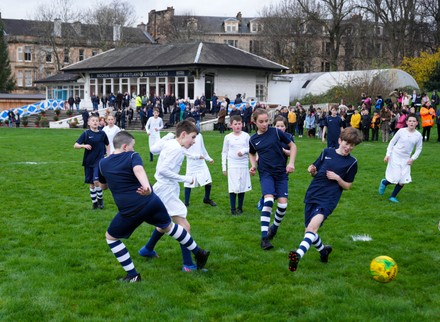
(333, 172)
(153, 127)
(95, 143)
(124, 174)
(235, 155)
(375, 125)
(365, 124)
(399, 159)
(267, 142)
(197, 168)
(167, 187)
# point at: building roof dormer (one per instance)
(231, 25)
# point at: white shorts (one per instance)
(239, 180)
(169, 195)
(202, 177)
(398, 171)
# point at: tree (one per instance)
(283, 37)
(401, 21)
(422, 68)
(7, 82)
(329, 16)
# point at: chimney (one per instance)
(239, 15)
(116, 33)
(77, 27)
(57, 27)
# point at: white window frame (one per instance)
(20, 54)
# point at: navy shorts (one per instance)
(153, 213)
(278, 186)
(91, 174)
(313, 209)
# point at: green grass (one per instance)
(56, 266)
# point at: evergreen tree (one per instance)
(7, 82)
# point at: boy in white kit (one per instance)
(111, 130)
(235, 155)
(153, 127)
(167, 185)
(196, 167)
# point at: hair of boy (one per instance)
(155, 110)
(93, 115)
(280, 118)
(334, 107)
(236, 118)
(258, 112)
(121, 138)
(185, 126)
(351, 135)
(411, 115)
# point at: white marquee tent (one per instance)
(319, 83)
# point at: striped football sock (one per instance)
(279, 215)
(309, 239)
(93, 194)
(183, 237)
(265, 216)
(122, 255)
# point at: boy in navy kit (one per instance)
(267, 142)
(332, 127)
(123, 173)
(332, 172)
(95, 143)
(171, 154)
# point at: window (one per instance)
(28, 78)
(326, 46)
(20, 54)
(94, 52)
(19, 78)
(231, 27)
(81, 54)
(259, 92)
(27, 53)
(325, 66)
(48, 56)
(231, 42)
(66, 55)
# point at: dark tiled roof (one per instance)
(88, 32)
(60, 77)
(174, 56)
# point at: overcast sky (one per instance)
(25, 9)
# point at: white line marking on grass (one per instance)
(37, 163)
(364, 237)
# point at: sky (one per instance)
(223, 8)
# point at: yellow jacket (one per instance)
(291, 117)
(355, 120)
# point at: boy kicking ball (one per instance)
(123, 173)
(333, 172)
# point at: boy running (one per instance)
(167, 186)
(399, 159)
(124, 174)
(95, 143)
(332, 172)
(267, 142)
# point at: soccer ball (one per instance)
(383, 269)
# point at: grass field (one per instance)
(56, 266)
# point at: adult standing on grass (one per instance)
(333, 172)
(399, 159)
(95, 143)
(267, 142)
(427, 114)
(124, 174)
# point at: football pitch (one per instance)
(56, 266)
